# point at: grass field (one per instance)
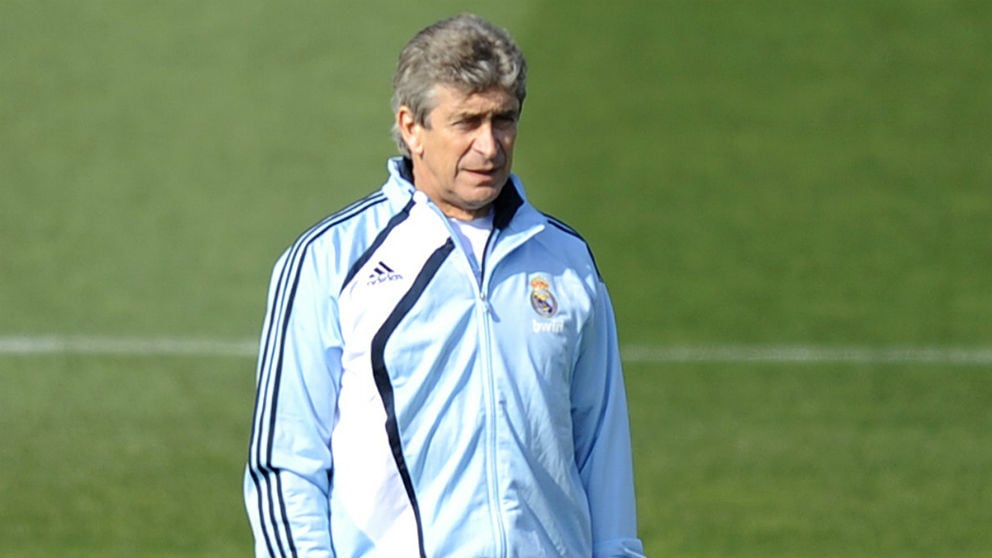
(755, 175)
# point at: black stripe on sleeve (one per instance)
(570, 231)
(273, 517)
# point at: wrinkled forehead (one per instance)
(457, 98)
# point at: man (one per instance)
(439, 374)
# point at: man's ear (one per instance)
(410, 130)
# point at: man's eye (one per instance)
(469, 122)
(505, 120)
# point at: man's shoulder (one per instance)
(365, 216)
(344, 224)
(334, 238)
(566, 242)
(557, 224)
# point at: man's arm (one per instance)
(602, 436)
(289, 462)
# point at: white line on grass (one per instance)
(152, 346)
(810, 354)
(174, 346)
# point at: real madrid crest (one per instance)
(541, 299)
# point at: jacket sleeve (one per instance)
(287, 477)
(602, 436)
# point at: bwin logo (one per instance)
(382, 273)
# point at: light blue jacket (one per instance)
(413, 403)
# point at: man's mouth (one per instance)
(485, 170)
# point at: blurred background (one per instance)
(790, 202)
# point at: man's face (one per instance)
(462, 154)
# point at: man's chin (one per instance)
(481, 196)
(487, 179)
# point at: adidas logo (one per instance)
(382, 273)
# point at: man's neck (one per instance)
(449, 209)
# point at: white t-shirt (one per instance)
(473, 235)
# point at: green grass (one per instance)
(109, 456)
(774, 172)
(813, 460)
(123, 456)
(747, 173)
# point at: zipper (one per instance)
(492, 463)
(482, 264)
(489, 381)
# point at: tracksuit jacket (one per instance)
(413, 403)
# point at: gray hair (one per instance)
(466, 52)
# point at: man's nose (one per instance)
(486, 142)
